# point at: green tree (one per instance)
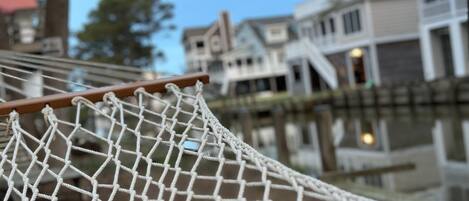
(120, 32)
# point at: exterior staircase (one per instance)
(304, 48)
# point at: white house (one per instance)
(444, 38)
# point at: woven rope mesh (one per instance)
(146, 147)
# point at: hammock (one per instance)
(151, 140)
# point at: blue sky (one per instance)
(189, 13)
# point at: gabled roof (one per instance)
(11, 6)
(194, 31)
(258, 26)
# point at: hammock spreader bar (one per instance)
(94, 95)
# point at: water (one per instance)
(434, 139)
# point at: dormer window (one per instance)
(276, 34)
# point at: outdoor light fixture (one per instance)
(356, 53)
(368, 138)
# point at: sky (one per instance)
(189, 13)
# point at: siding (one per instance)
(340, 65)
(400, 62)
(394, 17)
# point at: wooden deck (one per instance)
(440, 92)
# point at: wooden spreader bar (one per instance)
(94, 95)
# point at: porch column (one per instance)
(427, 54)
(455, 31)
(305, 76)
(374, 65)
(273, 84)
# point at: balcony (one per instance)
(442, 9)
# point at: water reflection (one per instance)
(436, 141)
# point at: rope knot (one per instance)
(48, 112)
(13, 116)
(199, 86)
(110, 97)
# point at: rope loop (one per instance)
(111, 98)
(172, 87)
(139, 90)
(78, 99)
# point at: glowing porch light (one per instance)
(368, 138)
(356, 53)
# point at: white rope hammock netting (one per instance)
(149, 147)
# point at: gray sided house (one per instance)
(354, 42)
(257, 62)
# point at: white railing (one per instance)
(254, 71)
(461, 5)
(436, 8)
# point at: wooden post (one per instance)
(246, 124)
(283, 154)
(56, 21)
(324, 121)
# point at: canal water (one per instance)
(434, 141)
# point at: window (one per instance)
(239, 62)
(276, 34)
(230, 64)
(332, 24)
(352, 22)
(323, 28)
(275, 31)
(199, 44)
(249, 61)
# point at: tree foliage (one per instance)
(120, 32)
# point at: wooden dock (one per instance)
(440, 92)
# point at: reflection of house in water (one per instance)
(378, 143)
(452, 147)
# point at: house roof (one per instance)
(270, 20)
(11, 6)
(258, 26)
(194, 31)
